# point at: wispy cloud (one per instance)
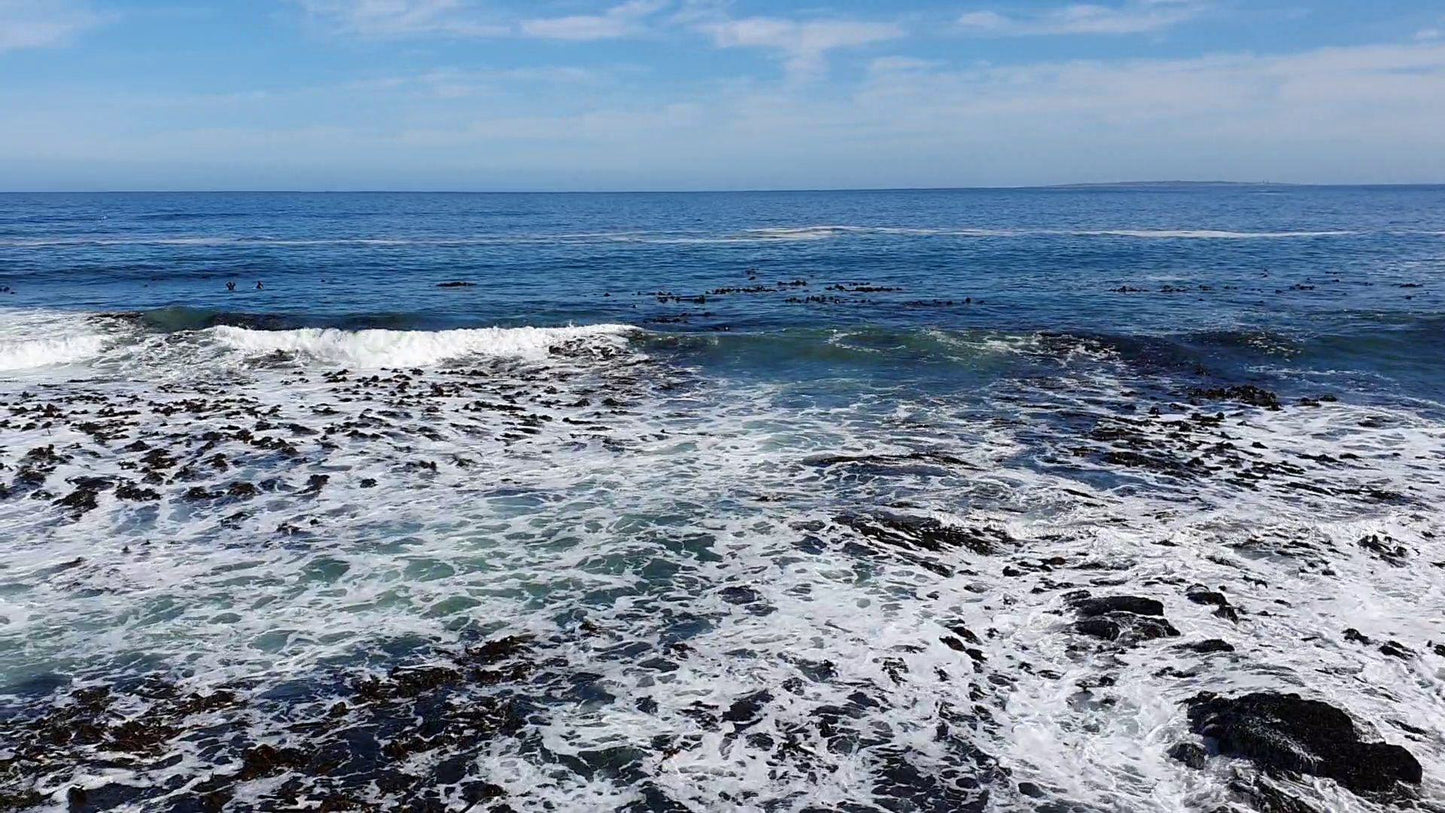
(619, 21)
(403, 18)
(803, 45)
(1135, 17)
(43, 23)
(1355, 114)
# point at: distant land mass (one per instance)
(1156, 184)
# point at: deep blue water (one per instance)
(1327, 272)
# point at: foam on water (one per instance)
(34, 339)
(411, 348)
(714, 615)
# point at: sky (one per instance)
(715, 94)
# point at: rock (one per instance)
(1395, 649)
(1128, 620)
(1285, 733)
(1203, 595)
(241, 490)
(1090, 607)
(1200, 594)
(80, 500)
(1190, 754)
(1126, 628)
(924, 533)
(747, 710)
(1244, 394)
(130, 491)
(1207, 646)
(456, 284)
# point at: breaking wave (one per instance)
(412, 348)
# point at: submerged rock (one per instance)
(1285, 733)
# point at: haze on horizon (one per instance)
(711, 94)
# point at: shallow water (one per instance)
(769, 502)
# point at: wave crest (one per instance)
(27, 355)
(413, 348)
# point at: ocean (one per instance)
(739, 501)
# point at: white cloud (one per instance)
(804, 45)
(43, 23)
(402, 18)
(619, 21)
(1356, 114)
(1135, 17)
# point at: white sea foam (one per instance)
(673, 540)
(411, 348)
(31, 339)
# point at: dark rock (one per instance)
(1090, 607)
(924, 533)
(130, 491)
(1190, 754)
(1207, 646)
(1202, 595)
(240, 490)
(1395, 649)
(79, 501)
(1244, 394)
(1126, 628)
(746, 710)
(1386, 548)
(1285, 733)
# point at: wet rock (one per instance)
(1395, 649)
(1287, 734)
(1208, 646)
(1356, 637)
(1127, 620)
(747, 710)
(134, 493)
(1090, 607)
(1244, 394)
(1191, 754)
(924, 533)
(1126, 628)
(1203, 595)
(79, 501)
(1386, 548)
(241, 490)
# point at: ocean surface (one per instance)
(665, 502)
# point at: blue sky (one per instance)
(712, 94)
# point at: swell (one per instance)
(767, 234)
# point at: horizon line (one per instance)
(705, 191)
